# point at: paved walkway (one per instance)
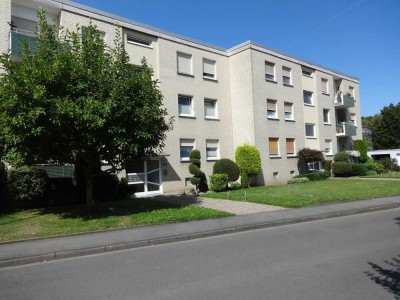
(39, 250)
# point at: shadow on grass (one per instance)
(111, 208)
(387, 275)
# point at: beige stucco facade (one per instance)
(237, 88)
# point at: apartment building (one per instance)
(221, 98)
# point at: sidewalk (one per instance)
(39, 250)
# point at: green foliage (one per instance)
(105, 187)
(342, 169)
(389, 164)
(249, 161)
(28, 187)
(234, 186)
(3, 186)
(374, 166)
(78, 100)
(199, 178)
(328, 165)
(306, 155)
(341, 157)
(369, 173)
(298, 180)
(228, 167)
(386, 132)
(219, 182)
(362, 147)
(314, 176)
(359, 170)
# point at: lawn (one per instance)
(314, 192)
(74, 219)
(395, 175)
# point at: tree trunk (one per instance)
(89, 191)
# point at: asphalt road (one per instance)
(354, 257)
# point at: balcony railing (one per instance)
(17, 39)
(346, 129)
(343, 101)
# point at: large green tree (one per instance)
(386, 132)
(76, 100)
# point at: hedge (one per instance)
(298, 180)
(219, 182)
(374, 166)
(341, 157)
(342, 169)
(315, 176)
(359, 170)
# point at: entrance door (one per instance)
(145, 176)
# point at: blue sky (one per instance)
(357, 37)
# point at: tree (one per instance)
(362, 147)
(386, 133)
(307, 155)
(76, 100)
(249, 161)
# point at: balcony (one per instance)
(343, 101)
(17, 39)
(345, 129)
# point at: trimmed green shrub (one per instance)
(29, 188)
(234, 186)
(3, 186)
(199, 178)
(359, 170)
(362, 147)
(371, 173)
(249, 161)
(105, 187)
(298, 180)
(219, 182)
(341, 156)
(374, 166)
(307, 155)
(62, 191)
(342, 169)
(314, 176)
(228, 167)
(328, 165)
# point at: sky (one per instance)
(356, 37)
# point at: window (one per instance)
(269, 71)
(184, 63)
(271, 109)
(351, 91)
(287, 79)
(306, 72)
(327, 118)
(353, 118)
(314, 166)
(210, 109)
(101, 34)
(324, 86)
(307, 98)
(209, 69)
(185, 105)
(288, 109)
(328, 147)
(212, 149)
(273, 147)
(138, 41)
(310, 130)
(186, 146)
(290, 147)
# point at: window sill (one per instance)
(211, 119)
(291, 156)
(272, 81)
(210, 79)
(311, 137)
(329, 124)
(185, 74)
(288, 85)
(273, 119)
(187, 116)
(141, 45)
(311, 105)
(212, 159)
(326, 94)
(329, 155)
(185, 160)
(290, 120)
(275, 157)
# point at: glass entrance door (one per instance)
(145, 176)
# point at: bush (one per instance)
(199, 178)
(3, 186)
(298, 180)
(105, 187)
(315, 176)
(374, 166)
(249, 161)
(219, 182)
(244, 180)
(359, 170)
(234, 186)
(62, 191)
(371, 173)
(29, 188)
(362, 147)
(389, 164)
(328, 166)
(342, 169)
(228, 167)
(341, 157)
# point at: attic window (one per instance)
(137, 41)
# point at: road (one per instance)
(354, 257)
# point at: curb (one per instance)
(178, 238)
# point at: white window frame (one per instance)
(186, 56)
(307, 73)
(291, 118)
(214, 74)
(351, 91)
(210, 144)
(328, 115)
(328, 150)
(275, 111)
(353, 118)
(311, 98)
(190, 106)
(186, 143)
(269, 76)
(215, 106)
(287, 69)
(325, 86)
(313, 127)
(130, 39)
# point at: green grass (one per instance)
(395, 175)
(74, 219)
(314, 192)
